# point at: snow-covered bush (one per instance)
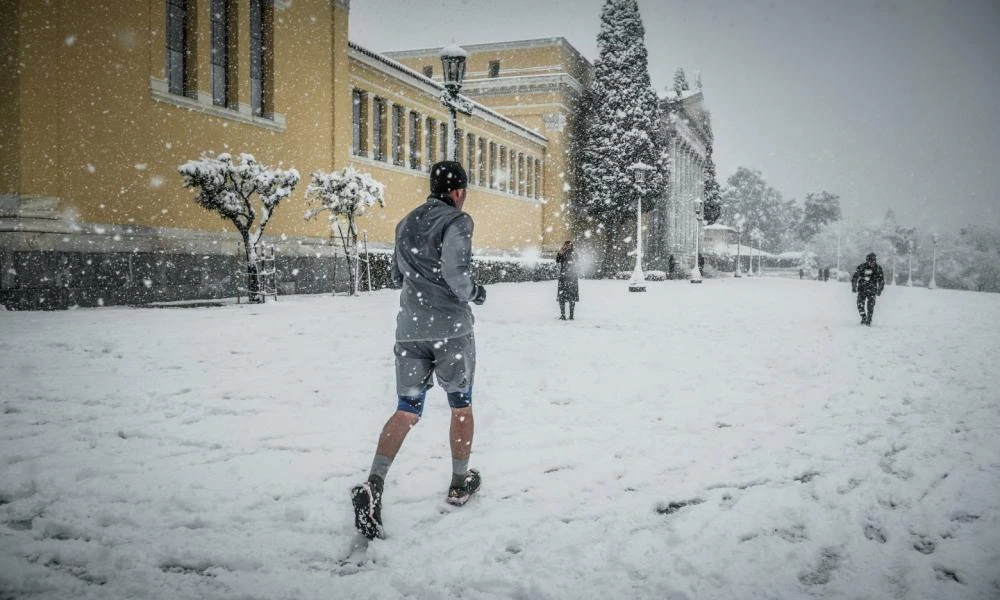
(227, 186)
(346, 194)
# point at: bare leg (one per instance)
(462, 429)
(394, 432)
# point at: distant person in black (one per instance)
(867, 282)
(568, 289)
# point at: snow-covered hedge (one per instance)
(486, 270)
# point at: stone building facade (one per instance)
(101, 101)
(675, 224)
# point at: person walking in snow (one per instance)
(867, 282)
(432, 264)
(568, 289)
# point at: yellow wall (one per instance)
(93, 135)
(525, 59)
(503, 220)
(81, 120)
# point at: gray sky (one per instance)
(888, 104)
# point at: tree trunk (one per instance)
(253, 272)
(352, 276)
(611, 262)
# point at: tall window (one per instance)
(429, 132)
(378, 126)
(415, 140)
(538, 178)
(397, 135)
(181, 46)
(481, 159)
(494, 68)
(470, 157)
(530, 170)
(511, 181)
(443, 151)
(520, 174)
(360, 123)
(503, 168)
(493, 165)
(262, 57)
(224, 21)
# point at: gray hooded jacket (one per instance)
(432, 263)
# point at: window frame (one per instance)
(359, 125)
(398, 158)
(262, 58)
(181, 47)
(379, 129)
(415, 132)
(470, 157)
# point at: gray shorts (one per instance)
(453, 361)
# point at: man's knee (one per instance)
(457, 400)
(413, 405)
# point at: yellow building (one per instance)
(101, 101)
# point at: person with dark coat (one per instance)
(569, 282)
(432, 266)
(867, 282)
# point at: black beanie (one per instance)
(446, 176)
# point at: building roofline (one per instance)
(531, 43)
(421, 79)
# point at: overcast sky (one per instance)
(888, 104)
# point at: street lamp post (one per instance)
(696, 270)
(739, 241)
(453, 64)
(637, 283)
(909, 260)
(750, 254)
(894, 264)
(933, 283)
(837, 278)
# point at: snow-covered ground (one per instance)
(737, 439)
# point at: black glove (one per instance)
(479, 295)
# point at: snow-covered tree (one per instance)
(713, 194)
(820, 208)
(228, 187)
(761, 207)
(680, 82)
(622, 131)
(346, 194)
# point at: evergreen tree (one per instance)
(623, 130)
(713, 195)
(680, 82)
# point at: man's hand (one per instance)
(480, 295)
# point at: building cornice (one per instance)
(494, 86)
(492, 46)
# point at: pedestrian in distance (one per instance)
(867, 282)
(432, 266)
(568, 288)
